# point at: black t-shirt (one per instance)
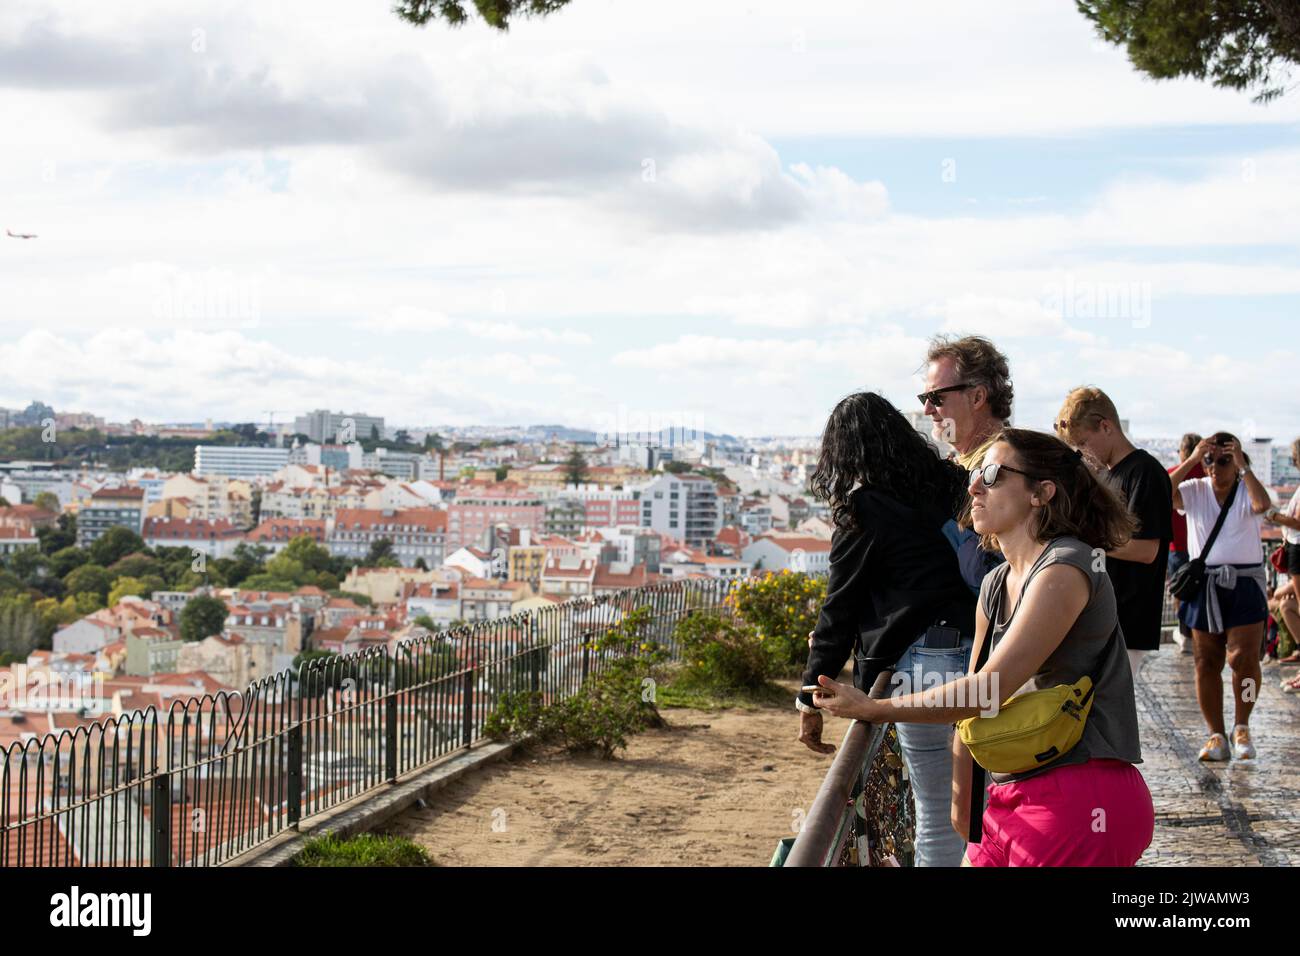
(888, 582)
(1140, 588)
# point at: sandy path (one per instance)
(713, 789)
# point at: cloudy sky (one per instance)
(723, 215)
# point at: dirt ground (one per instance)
(713, 789)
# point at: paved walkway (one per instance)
(1222, 814)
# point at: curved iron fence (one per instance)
(222, 773)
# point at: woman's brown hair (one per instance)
(1084, 506)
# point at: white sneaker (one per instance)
(1216, 748)
(1242, 746)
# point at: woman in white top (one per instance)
(1228, 617)
(1288, 594)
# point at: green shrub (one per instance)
(722, 654)
(516, 715)
(616, 700)
(783, 609)
(364, 849)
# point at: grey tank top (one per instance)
(1111, 732)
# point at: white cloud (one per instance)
(445, 223)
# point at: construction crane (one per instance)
(270, 423)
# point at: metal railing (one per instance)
(863, 815)
(222, 773)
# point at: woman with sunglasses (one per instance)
(1227, 618)
(895, 593)
(1050, 617)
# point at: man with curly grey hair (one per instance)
(968, 394)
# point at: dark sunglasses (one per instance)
(1222, 461)
(935, 398)
(989, 474)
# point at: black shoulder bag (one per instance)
(1186, 583)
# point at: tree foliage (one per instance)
(1237, 44)
(575, 469)
(202, 617)
(496, 13)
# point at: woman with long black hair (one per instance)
(895, 590)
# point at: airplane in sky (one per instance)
(20, 235)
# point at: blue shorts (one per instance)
(1245, 604)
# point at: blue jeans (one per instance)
(927, 753)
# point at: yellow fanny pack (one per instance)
(1031, 730)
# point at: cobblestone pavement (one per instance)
(1239, 813)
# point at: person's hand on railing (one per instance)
(810, 733)
(845, 700)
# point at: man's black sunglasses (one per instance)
(989, 474)
(935, 398)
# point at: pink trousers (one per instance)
(1097, 813)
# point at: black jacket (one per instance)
(889, 581)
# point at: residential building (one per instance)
(27, 517)
(276, 533)
(438, 600)
(225, 657)
(417, 533)
(633, 545)
(525, 557)
(388, 585)
(403, 465)
(483, 599)
(683, 506)
(475, 562)
(781, 552)
(335, 457)
(686, 562)
(109, 508)
(324, 426)
(152, 652)
(620, 576)
(755, 517)
(569, 577)
(565, 517)
(731, 541)
(213, 498)
(473, 514)
(17, 539)
(238, 461)
(216, 539)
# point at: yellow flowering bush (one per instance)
(782, 609)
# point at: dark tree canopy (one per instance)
(496, 13)
(202, 617)
(575, 469)
(1238, 44)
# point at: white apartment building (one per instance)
(780, 552)
(684, 507)
(323, 425)
(238, 461)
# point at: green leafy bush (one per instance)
(722, 654)
(616, 701)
